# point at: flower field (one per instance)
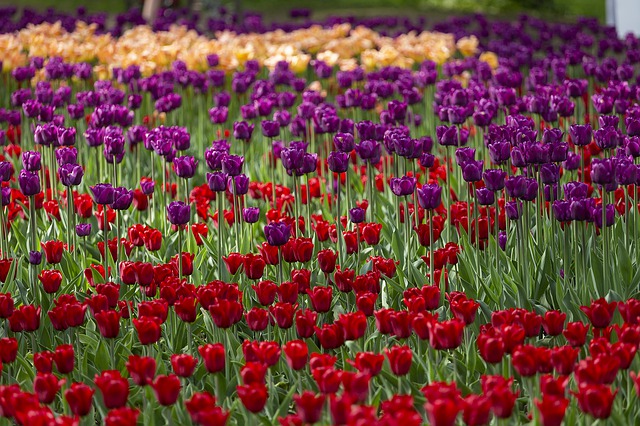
(346, 222)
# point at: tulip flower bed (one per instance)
(436, 227)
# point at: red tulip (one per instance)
(108, 323)
(305, 323)
(152, 239)
(303, 249)
(465, 309)
(600, 312)
(327, 260)
(576, 333)
(46, 387)
(114, 388)
(600, 370)
(400, 358)
(503, 399)
(253, 372)
(365, 302)
(328, 379)
(226, 313)
(5, 266)
(253, 396)
(254, 266)
(446, 334)
(401, 323)
(183, 364)
(301, 277)
(64, 358)
(629, 310)
(186, 309)
(127, 271)
(51, 280)
(53, 251)
(553, 322)
(296, 353)
(257, 319)
(370, 233)
(386, 267)
(596, 400)
(321, 298)
(202, 409)
(524, 360)
(282, 314)
(233, 261)
(8, 349)
(265, 292)
(167, 388)
(25, 318)
(144, 273)
(344, 279)
(42, 361)
(356, 385)
(142, 370)
(340, 408)
(442, 412)
(187, 263)
(6, 305)
(199, 231)
(288, 292)
(491, 347)
(551, 409)
(330, 336)
(213, 356)
(354, 325)
(79, 397)
(368, 362)
(476, 410)
(269, 253)
(564, 358)
(125, 416)
(148, 329)
(309, 406)
(553, 386)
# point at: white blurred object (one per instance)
(624, 15)
(150, 9)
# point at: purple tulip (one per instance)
(581, 134)
(242, 130)
(485, 196)
(344, 142)
(338, 162)
(66, 155)
(403, 186)
(147, 187)
(6, 170)
(277, 233)
(5, 193)
(31, 161)
(251, 214)
(238, 185)
(178, 213)
(35, 257)
(472, 171)
(70, 174)
(562, 210)
(217, 181)
(83, 229)
(429, 196)
(357, 215)
(185, 167)
(232, 164)
(512, 209)
(218, 115)
(122, 198)
(29, 183)
(103, 193)
(602, 171)
(270, 129)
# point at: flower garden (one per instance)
(347, 222)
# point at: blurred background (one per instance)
(279, 9)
